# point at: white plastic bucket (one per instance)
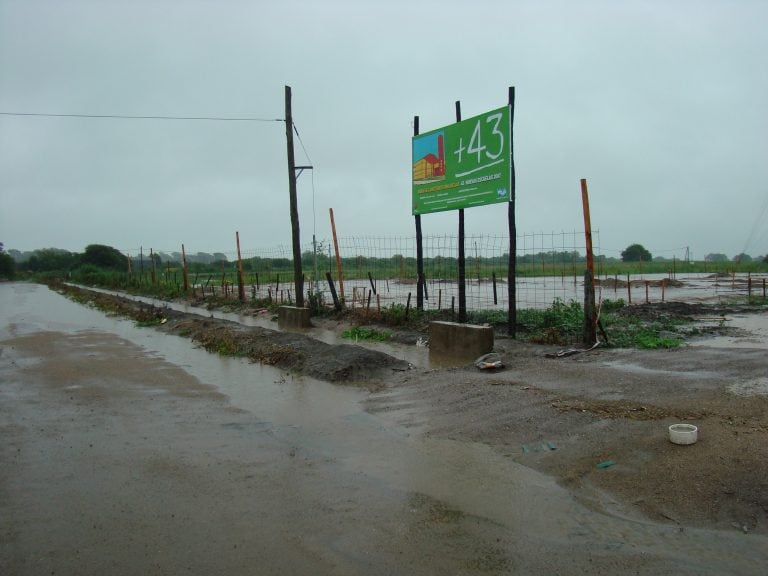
(683, 433)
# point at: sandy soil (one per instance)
(615, 405)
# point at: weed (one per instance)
(360, 333)
(394, 315)
(652, 341)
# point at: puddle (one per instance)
(388, 473)
(754, 387)
(752, 332)
(677, 374)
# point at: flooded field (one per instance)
(130, 451)
(531, 292)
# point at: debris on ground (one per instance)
(572, 351)
(490, 361)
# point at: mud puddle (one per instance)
(751, 332)
(339, 488)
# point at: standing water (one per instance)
(139, 453)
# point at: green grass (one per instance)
(360, 333)
(652, 341)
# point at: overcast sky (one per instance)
(660, 104)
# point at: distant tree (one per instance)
(636, 253)
(742, 258)
(7, 266)
(716, 257)
(104, 257)
(765, 258)
(51, 259)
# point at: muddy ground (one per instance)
(562, 416)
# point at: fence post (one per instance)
(590, 313)
(240, 282)
(336, 303)
(186, 270)
(338, 257)
(408, 306)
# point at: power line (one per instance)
(129, 117)
(296, 130)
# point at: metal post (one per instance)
(419, 245)
(512, 265)
(462, 270)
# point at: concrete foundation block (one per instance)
(289, 317)
(460, 343)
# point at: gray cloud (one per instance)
(659, 104)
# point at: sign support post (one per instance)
(512, 265)
(419, 245)
(465, 164)
(462, 261)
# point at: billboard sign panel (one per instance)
(464, 164)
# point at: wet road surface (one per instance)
(127, 451)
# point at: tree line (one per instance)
(102, 257)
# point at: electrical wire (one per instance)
(156, 117)
(309, 161)
(314, 211)
(296, 130)
(759, 229)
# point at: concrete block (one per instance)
(459, 343)
(289, 317)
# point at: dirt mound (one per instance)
(288, 351)
(619, 283)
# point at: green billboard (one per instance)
(464, 164)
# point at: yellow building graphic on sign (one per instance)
(431, 166)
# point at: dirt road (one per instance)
(129, 451)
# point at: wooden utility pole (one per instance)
(590, 313)
(419, 246)
(298, 275)
(462, 270)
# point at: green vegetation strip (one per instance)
(358, 333)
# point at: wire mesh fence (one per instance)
(376, 272)
(381, 271)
